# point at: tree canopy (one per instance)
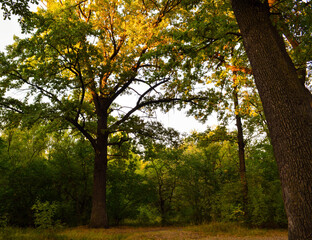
(19, 7)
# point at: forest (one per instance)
(80, 144)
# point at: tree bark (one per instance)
(288, 108)
(241, 153)
(99, 217)
(99, 211)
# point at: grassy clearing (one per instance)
(213, 231)
(236, 231)
(232, 229)
(29, 234)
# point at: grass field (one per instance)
(215, 231)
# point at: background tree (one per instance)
(24, 176)
(80, 59)
(202, 171)
(126, 184)
(198, 170)
(70, 160)
(162, 167)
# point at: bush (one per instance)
(4, 221)
(44, 214)
(148, 215)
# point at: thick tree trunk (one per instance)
(288, 108)
(99, 212)
(241, 154)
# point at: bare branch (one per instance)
(151, 89)
(150, 102)
(134, 90)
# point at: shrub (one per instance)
(4, 221)
(44, 214)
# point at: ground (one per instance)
(176, 233)
(202, 232)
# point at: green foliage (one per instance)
(24, 176)
(125, 188)
(31, 170)
(148, 215)
(18, 7)
(228, 203)
(161, 170)
(44, 214)
(194, 182)
(70, 58)
(266, 204)
(77, 62)
(4, 221)
(199, 183)
(71, 163)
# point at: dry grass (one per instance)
(216, 231)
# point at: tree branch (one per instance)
(10, 107)
(42, 90)
(150, 89)
(83, 131)
(150, 102)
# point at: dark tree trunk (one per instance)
(241, 153)
(162, 204)
(99, 212)
(163, 212)
(288, 108)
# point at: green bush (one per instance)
(148, 215)
(44, 214)
(4, 221)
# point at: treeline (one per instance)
(46, 180)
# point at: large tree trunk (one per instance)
(99, 212)
(288, 108)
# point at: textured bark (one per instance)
(99, 217)
(288, 108)
(241, 154)
(99, 211)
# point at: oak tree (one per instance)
(81, 58)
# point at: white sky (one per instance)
(174, 119)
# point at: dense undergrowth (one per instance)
(46, 181)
